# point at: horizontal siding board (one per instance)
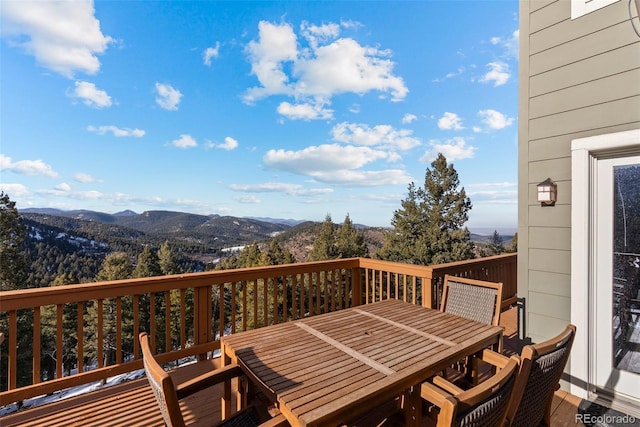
(592, 93)
(594, 68)
(560, 146)
(547, 283)
(550, 238)
(550, 148)
(556, 216)
(539, 4)
(615, 113)
(565, 30)
(549, 260)
(549, 305)
(608, 39)
(541, 328)
(549, 16)
(556, 169)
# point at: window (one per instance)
(583, 7)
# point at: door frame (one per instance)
(585, 153)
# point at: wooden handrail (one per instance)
(185, 314)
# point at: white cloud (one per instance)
(90, 95)
(228, 144)
(209, 53)
(499, 73)
(185, 141)
(409, 118)
(493, 192)
(63, 36)
(336, 164)
(510, 44)
(450, 121)
(84, 177)
(380, 136)
(14, 190)
(116, 131)
(324, 67)
(64, 187)
(168, 97)
(27, 167)
(494, 119)
(249, 199)
(305, 111)
(280, 187)
(453, 149)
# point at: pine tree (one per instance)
(349, 243)
(496, 246)
(167, 260)
(512, 247)
(324, 245)
(13, 261)
(428, 229)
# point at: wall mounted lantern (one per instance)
(547, 192)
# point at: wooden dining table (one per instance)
(331, 368)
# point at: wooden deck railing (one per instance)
(186, 314)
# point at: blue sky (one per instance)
(268, 109)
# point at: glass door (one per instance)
(616, 309)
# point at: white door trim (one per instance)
(585, 153)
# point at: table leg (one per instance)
(413, 407)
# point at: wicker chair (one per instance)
(472, 299)
(541, 368)
(484, 405)
(168, 395)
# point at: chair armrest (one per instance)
(433, 394)
(447, 386)
(496, 359)
(277, 421)
(207, 380)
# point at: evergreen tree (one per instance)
(495, 247)
(428, 229)
(13, 261)
(166, 259)
(148, 264)
(324, 245)
(116, 266)
(349, 243)
(512, 247)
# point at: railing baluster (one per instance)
(100, 337)
(59, 335)
(119, 330)
(136, 326)
(80, 336)
(36, 345)
(183, 318)
(167, 321)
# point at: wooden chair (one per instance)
(472, 299)
(484, 405)
(541, 367)
(168, 395)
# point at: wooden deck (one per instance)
(132, 403)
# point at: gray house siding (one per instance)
(578, 78)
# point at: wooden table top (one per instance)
(332, 367)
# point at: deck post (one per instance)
(357, 286)
(202, 316)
